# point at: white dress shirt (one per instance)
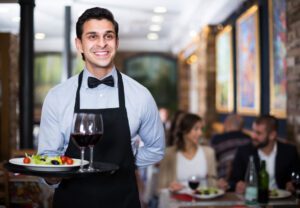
(270, 165)
(142, 112)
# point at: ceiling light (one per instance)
(160, 9)
(152, 36)
(155, 28)
(40, 36)
(192, 59)
(157, 18)
(16, 19)
(193, 33)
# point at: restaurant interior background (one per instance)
(227, 56)
(195, 67)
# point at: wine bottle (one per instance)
(263, 184)
(251, 183)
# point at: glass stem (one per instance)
(91, 157)
(81, 161)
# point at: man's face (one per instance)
(98, 44)
(260, 135)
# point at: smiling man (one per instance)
(128, 111)
(281, 158)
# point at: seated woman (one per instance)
(187, 157)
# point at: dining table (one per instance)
(168, 199)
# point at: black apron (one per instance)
(118, 190)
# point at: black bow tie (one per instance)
(94, 82)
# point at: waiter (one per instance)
(128, 110)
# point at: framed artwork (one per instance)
(248, 62)
(224, 71)
(278, 62)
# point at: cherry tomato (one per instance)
(69, 161)
(26, 160)
(63, 159)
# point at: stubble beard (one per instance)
(263, 144)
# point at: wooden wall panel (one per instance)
(8, 94)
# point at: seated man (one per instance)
(226, 144)
(281, 158)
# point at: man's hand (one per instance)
(52, 180)
(289, 187)
(175, 186)
(222, 184)
(240, 187)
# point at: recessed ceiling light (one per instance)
(157, 18)
(193, 33)
(155, 28)
(160, 9)
(40, 36)
(152, 36)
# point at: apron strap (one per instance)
(121, 91)
(77, 99)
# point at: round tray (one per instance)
(102, 168)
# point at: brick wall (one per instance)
(205, 65)
(293, 74)
(9, 90)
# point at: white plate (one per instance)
(281, 194)
(201, 196)
(47, 168)
(220, 192)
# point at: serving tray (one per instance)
(102, 168)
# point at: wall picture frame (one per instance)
(248, 62)
(224, 71)
(278, 60)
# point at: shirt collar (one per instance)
(87, 74)
(273, 153)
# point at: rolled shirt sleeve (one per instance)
(151, 132)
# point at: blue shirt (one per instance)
(142, 112)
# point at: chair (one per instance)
(4, 190)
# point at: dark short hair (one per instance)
(185, 126)
(269, 121)
(95, 13)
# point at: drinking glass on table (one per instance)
(87, 129)
(295, 177)
(193, 182)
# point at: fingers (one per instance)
(240, 187)
(52, 180)
(175, 186)
(222, 184)
(289, 186)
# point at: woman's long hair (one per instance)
(185, 126)
(171, 134)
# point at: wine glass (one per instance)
(79, 134)
(87, 129)
(193, 182)
(295, 177)
(95, 130)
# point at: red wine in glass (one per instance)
(86, 131)
(194, 182)
(84, 140)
